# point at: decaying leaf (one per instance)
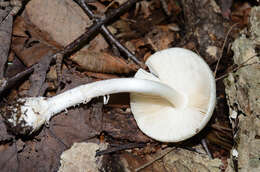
(40, 154)
(64, 20)
(4, 136)
(5, 38)
(79, 123)
(102, 62)
(160, 39)
(101, 75)
(123, 126)
(8, 158)
(241, 13)
(29, 43)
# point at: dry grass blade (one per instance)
(238, 67)
(222, 49)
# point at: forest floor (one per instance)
(40, 57)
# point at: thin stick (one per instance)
(238, 67)
(9, 83)
(105, 19)
(222, 49)
(107, 33)
(157, 158)
(78, 42)
(120, 148)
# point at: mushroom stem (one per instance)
(85, 93)
(29, 114)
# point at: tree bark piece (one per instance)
(243, 92)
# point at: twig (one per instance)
(120, 148)
(238, 67)
(58, 139)
(192, 149)
(72, 47)
(9, 83)
(223, 46)
(107, 33)
(157, 158)
(221, 128)
(75, 45)
(69, 49)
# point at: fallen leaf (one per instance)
(102, 62)
(4, 136)
(160, 39)
(79, 123)
(100, 75)
(63, 20)
(41, 154)
(76, 125)
(5, 38)
(241, 13)
(14, 65)
(8, 158)
(123, 127)
(29, 43)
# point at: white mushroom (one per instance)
(186, 73)
(172, 106)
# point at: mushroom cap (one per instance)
(188, 74)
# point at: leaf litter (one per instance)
(45, 27)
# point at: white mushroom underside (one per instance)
(188, 74)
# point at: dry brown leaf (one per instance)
(241, 13)
(29, 43)
(5, 39)
(40, 154)
(8, 158)
(64, 21)
(14, 65)
(102, 62)
(122, 126)
(4, 135)
(100, 75)
(159, 39)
